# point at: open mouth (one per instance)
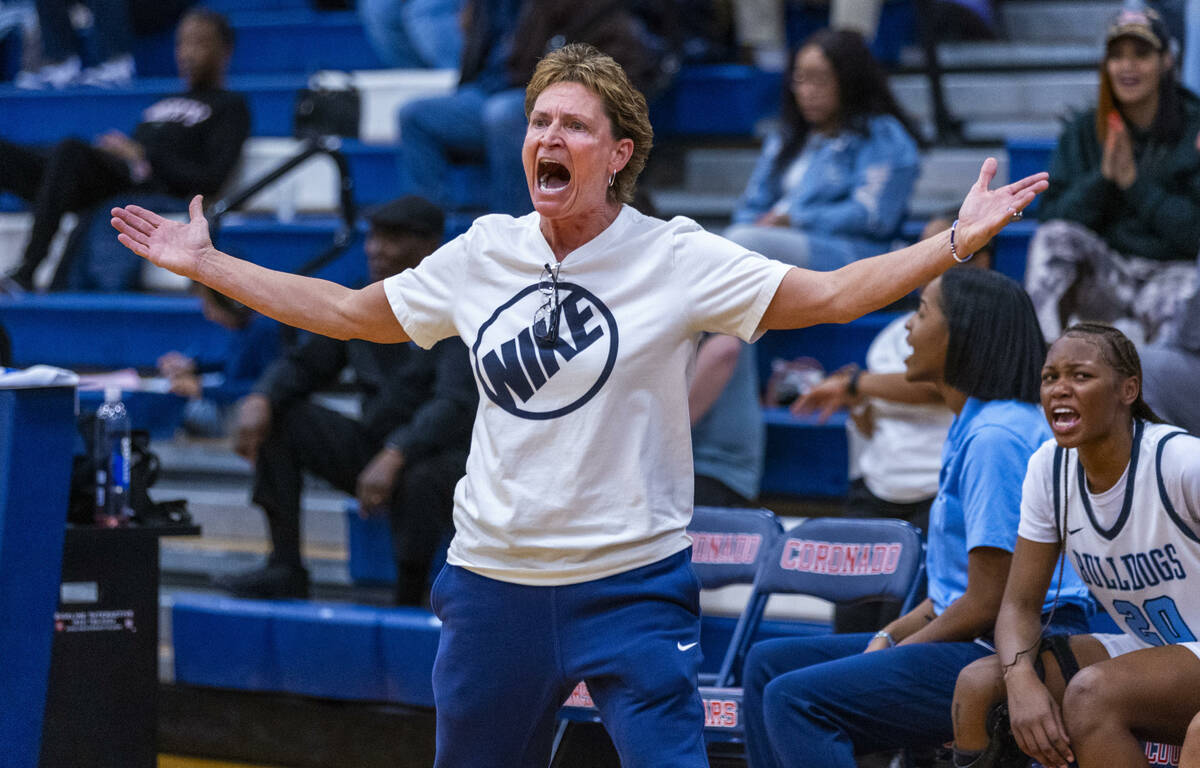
(1063, 419)
(552, 175)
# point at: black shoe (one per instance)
(271, 582)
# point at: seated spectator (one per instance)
(896, 430)
(1116, 493)
(62, 64)
(403, 457)
(727, 427)
(819, 701)
(114, 25)
(253, 343)
(832, 185)
(414, 34)
(1122, 216)
(1171, 368)
(484, 119)
(186, 144)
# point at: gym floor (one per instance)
(174, 761)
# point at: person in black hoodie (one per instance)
(403, 457)
(187, 143)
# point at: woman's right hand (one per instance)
(177, 246)
(1036, 719)
(984, 212)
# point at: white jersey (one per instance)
(1137, 544)
(581, 462)
(902, 459)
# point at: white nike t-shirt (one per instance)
(581, 462)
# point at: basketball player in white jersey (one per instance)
(1122, 490)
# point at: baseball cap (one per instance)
(411, 213)
(1142, 23)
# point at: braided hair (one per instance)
(1120, 353)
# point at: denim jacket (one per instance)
(855, 186)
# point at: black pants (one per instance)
(307, 437)
(711, 492)
(72, 176)
(860, 502)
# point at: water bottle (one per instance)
(112, 452)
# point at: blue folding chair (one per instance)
(728, 547)
(842, 560)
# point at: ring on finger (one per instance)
(1014, 214)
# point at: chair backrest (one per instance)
(728, 543)
(843, 560)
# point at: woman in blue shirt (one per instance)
(818, 701)
(832, 185)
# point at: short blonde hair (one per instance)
(626, 106)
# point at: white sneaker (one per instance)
(117, 72)
(58, 75)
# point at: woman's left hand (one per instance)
(985, 211)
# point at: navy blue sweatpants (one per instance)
(510, 654)
(816, 702)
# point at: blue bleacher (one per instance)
(39, 117)
(716, 100)
(347, 652)
(1029, 156)
(296, 40)
(104, 332)
(326, 650)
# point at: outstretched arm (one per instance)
(320, 306)
(807, 298)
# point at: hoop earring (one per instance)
(612, 177)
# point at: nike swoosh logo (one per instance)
(1074, 531)
(687, 647)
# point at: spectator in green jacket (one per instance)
(1122, 215)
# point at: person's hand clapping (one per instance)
(1117, 163)
(984, 212)
(180, 247)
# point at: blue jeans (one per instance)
(509, 654)
(468, 124)
(111, 25)
(414, 34)
(819, 251)
(819, 701)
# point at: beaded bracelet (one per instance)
(953, 250)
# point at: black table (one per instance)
(102, 702)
